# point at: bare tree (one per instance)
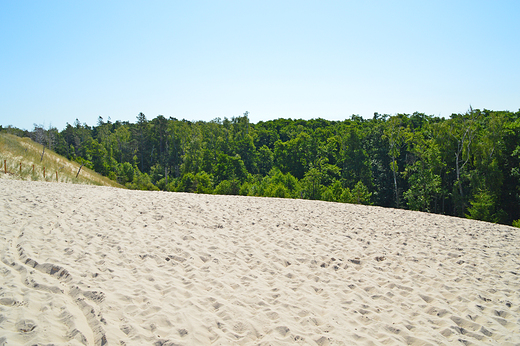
(38, 135)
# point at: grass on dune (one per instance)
(15, 151)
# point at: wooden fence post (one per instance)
(33, 169)
(79, 170)
(56, 175)
(20, 168)
(5, 166)
(43, 172)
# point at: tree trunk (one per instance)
(395, 182)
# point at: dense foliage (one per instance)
(467, 165)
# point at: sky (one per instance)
(199, 60)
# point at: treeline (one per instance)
(467, 165)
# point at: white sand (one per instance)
(96, 265)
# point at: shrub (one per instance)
(245, 189)
(279, 191)
(360, 194)
(346, 196)
(227, 187)
(203, 183)
(482, 207)
(187, 183)
(142, 181)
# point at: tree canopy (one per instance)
(467, 165)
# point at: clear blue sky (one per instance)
(198, 60)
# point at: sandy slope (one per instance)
(96, 265)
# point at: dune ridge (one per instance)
(87, 265)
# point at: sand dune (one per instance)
(84, 265)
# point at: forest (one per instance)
(467, 165)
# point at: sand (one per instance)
(86, 265)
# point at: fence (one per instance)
(20, 171)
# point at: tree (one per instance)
(159, 137)
(360, 194)
(245, 148)
(265, 160)
(203, 183)
(510, 189)
(187, 183)
(98, 155)
(353, 159)
(395, 134)
(334, 193)
(489, 159)
(311, 184)
(377, 148)
(276, 184)
(462, 130)
(230, 168)
(424, 185)
(482, 207)
(424, 173)
(295, 155)
(142, 137)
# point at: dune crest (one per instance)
(86, 265)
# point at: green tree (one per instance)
(378, 149)
(125, 172)
(203, 183)
(360, 194)
(122, 137)
(229, 168)
(187, 183)
(424, 173)
(482, 207)
(333, 192)
(311, 184)
(227, 187)
(142, 136)
(272, 183)
(295, 155)
(265, 160)
(395, 133)
(354, 161)
(98, 155)
(463, 129)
